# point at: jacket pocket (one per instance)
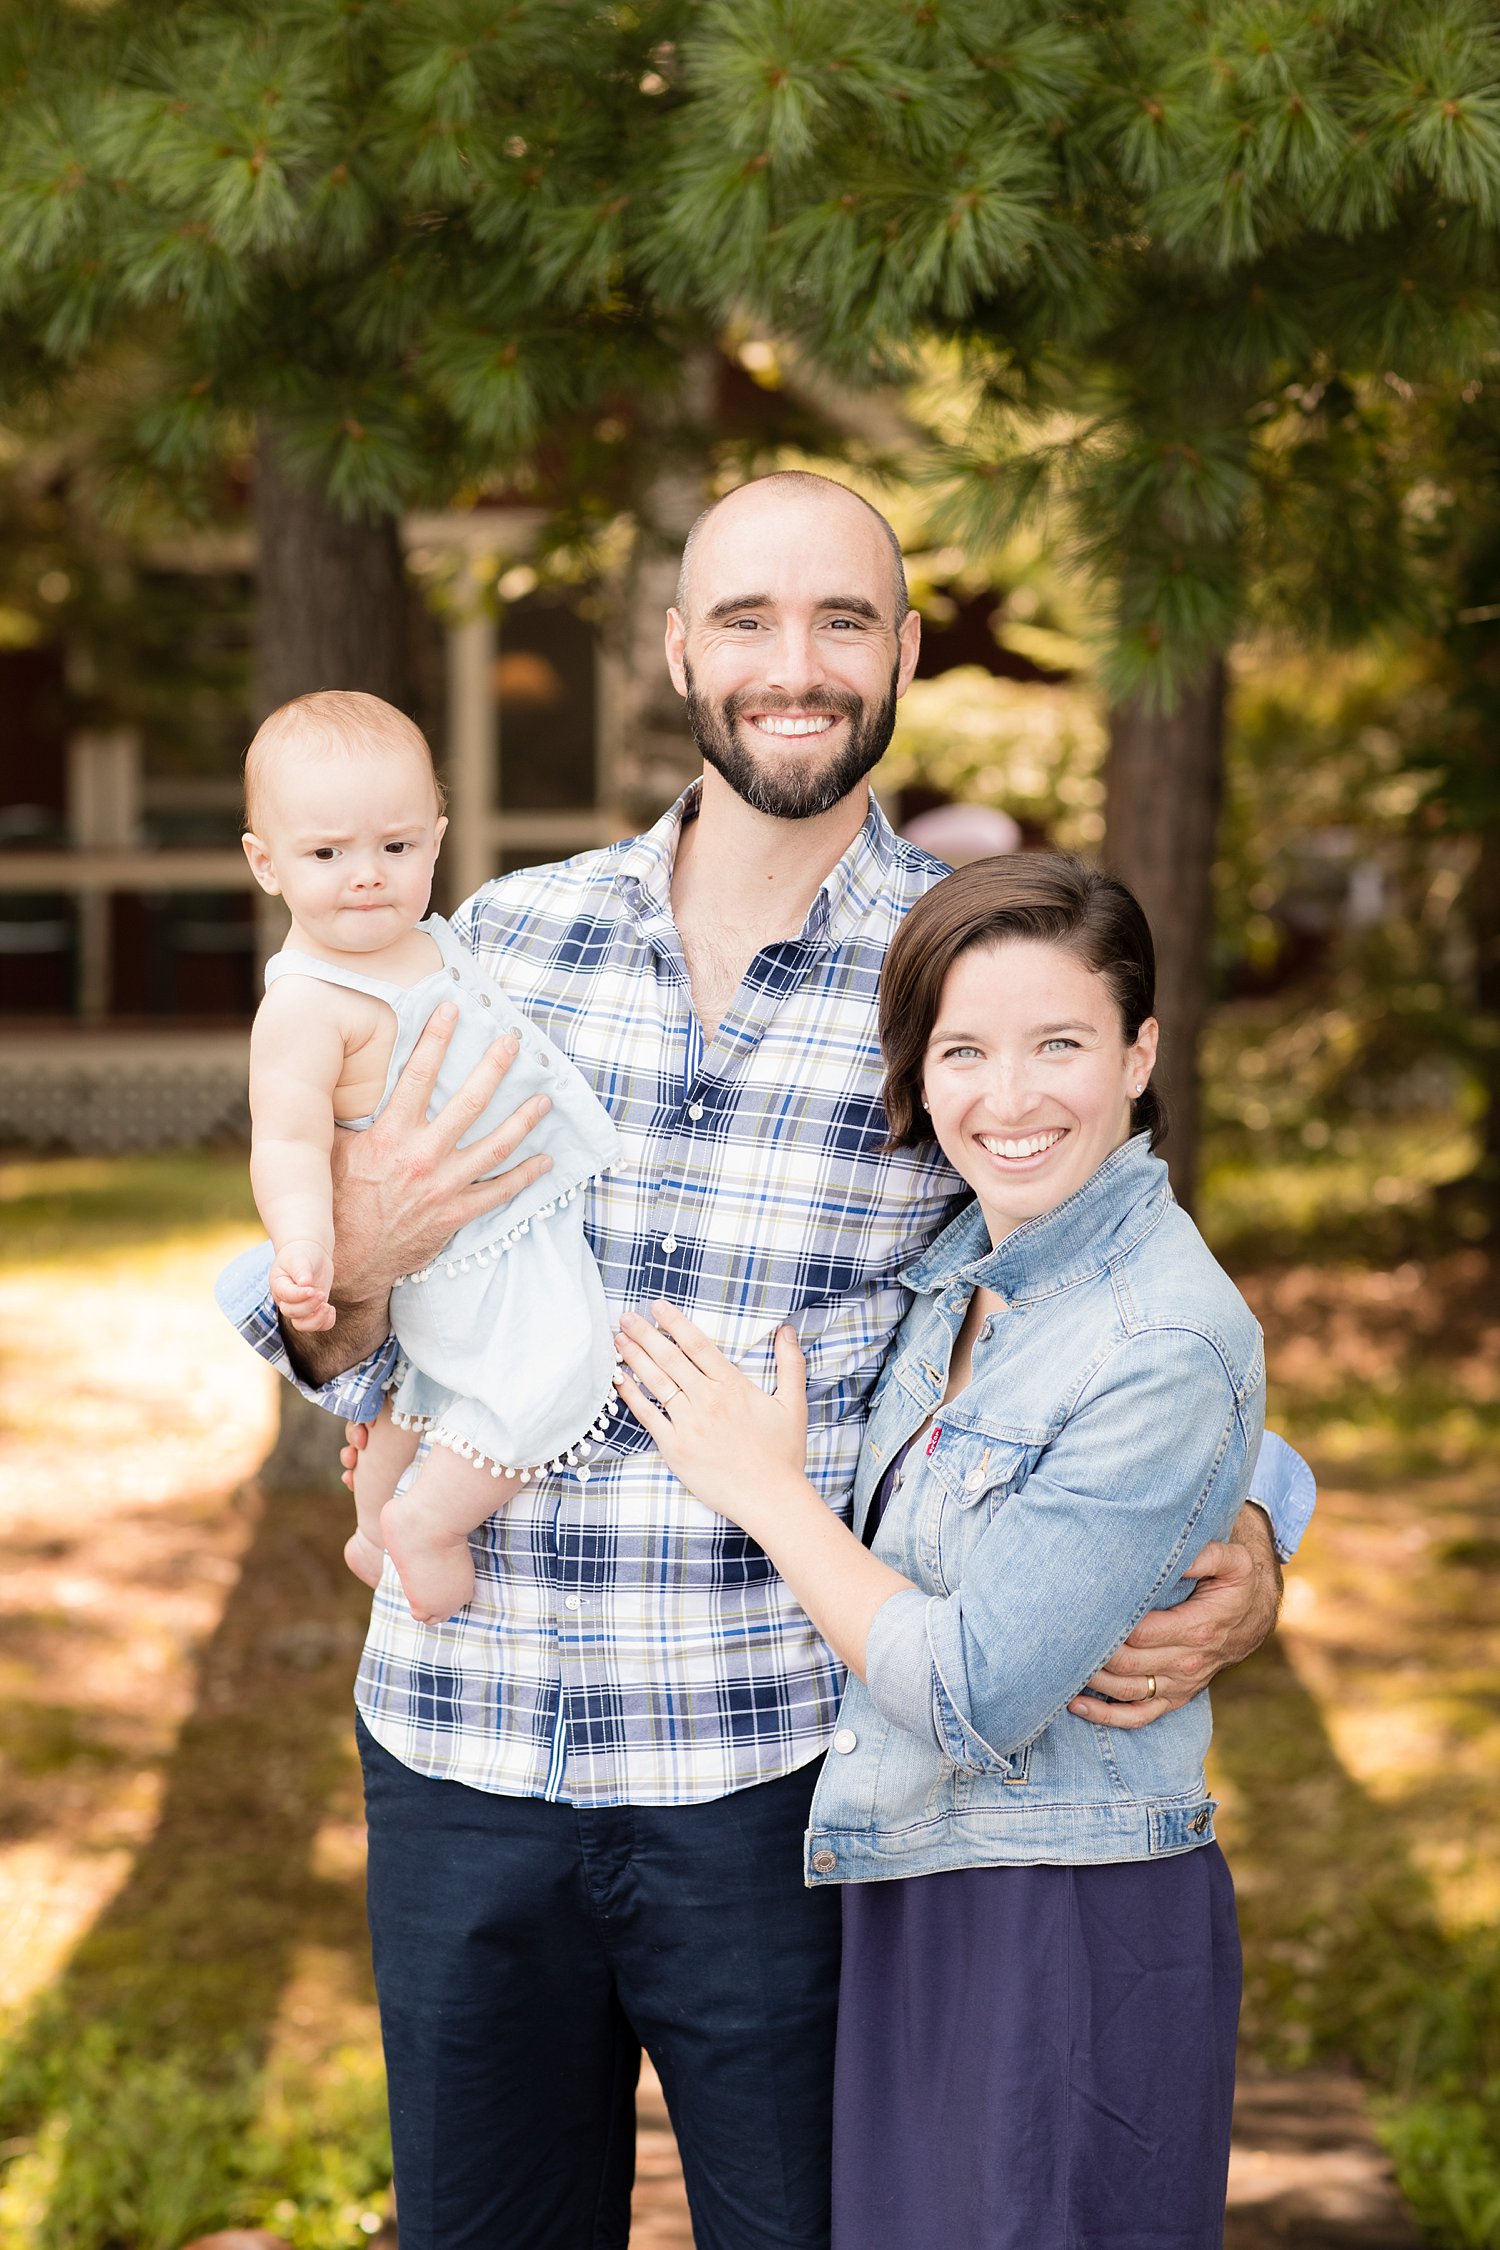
(970, 1477)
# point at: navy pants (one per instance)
(526, 1952)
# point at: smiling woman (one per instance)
(1040, 1983)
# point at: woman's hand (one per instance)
(728, 1440)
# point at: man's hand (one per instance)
(404, 1188)
(300, 1281)
(1173, 1653)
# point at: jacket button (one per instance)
(824, 1863)
(1199, 1825)
(973, 1480)
(845, 1740)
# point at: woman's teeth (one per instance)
(1033, 1145)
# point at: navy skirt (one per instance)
(1037, 2058)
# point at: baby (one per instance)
(507, 1359)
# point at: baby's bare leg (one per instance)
(387, 1453)
(427, 1530)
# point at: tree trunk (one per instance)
(1487, 1000)
(331, 612)
(1164, 784)
(648, 749)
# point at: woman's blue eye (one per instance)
(1066, 1045)
(950, 1052)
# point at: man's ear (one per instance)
(909, 640)
(677, 649)
(260, 864)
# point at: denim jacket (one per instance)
(1109, 1429)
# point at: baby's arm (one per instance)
(297, 1051)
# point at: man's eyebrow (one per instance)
(849, 605)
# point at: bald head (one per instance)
(785, 495)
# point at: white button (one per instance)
(454, 974)
(669, 1243)
(695, 1111)
(974, 1480)
(984, 1333)
(485, 1001)
(845, 1740)
(572, 1601)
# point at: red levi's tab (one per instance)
(937, 1431)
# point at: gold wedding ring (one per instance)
(1150, 1687)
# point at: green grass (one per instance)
(55, 1209)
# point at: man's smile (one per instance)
(793, 724)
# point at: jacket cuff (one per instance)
(898, 1665)
(1282, 1484)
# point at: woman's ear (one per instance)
(1142, 1056)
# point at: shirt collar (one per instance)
(644, 872)
(1099, 1222)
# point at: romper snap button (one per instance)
(454, 974)
(485, 1000)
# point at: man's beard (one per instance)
(785, 786)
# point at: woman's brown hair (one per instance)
(1045, 896)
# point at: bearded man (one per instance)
(586, 1794)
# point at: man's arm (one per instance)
(404, 1188)
(400, 1191)
(1232, 1609)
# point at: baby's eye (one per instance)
(325, 851)
(402, 847)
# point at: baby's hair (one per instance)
(337, 719)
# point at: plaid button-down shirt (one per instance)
(624, 1644)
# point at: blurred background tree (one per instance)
(1186, 255)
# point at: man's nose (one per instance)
(796, 662)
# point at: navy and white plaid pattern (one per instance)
(625, 1645)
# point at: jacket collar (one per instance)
(644, 872)
(1098, 1223)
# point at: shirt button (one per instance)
(824, 1863)
(845, 1740)
(695, 1111)
(669, 1244)
(572, 1601)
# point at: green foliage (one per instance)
(412, 234)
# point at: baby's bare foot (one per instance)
(436, 1573)
(365, 1559)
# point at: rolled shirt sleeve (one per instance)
(1282, 1483)
(243, 1295)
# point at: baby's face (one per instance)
(350, 842)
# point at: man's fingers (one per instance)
(493, 1195)
(1123, 1686)
(475, 1094)
(413, 1089)
(498, 1147)
(1221, 1560)
(1124, 1716)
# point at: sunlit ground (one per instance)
(182, 1952)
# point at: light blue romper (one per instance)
(507, 1351)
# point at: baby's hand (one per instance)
(300, 1281)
